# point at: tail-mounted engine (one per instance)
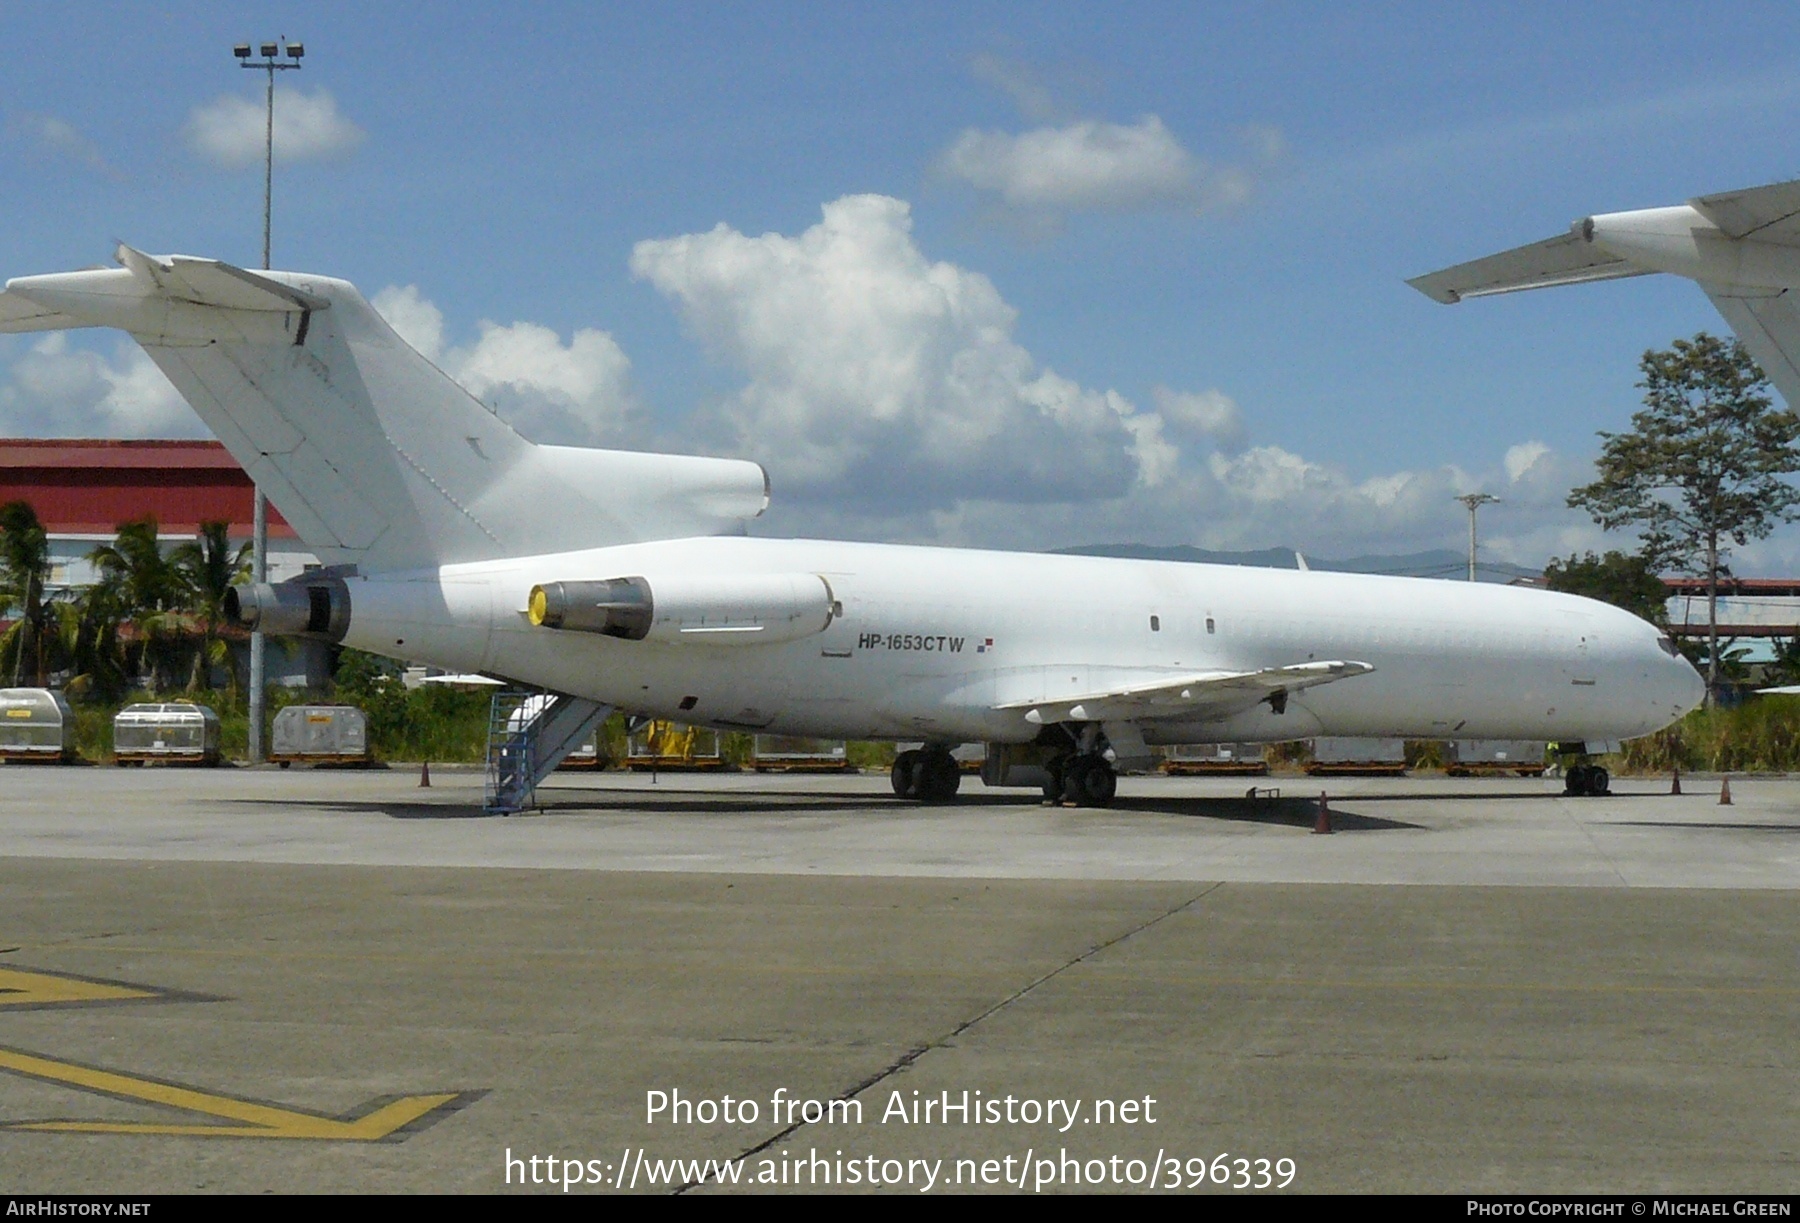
(315, 606)
(721, 609)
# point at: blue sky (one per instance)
(1006, 275)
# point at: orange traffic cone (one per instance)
(425, 774)
(1323, 823)
(1725, 793)
(1675, 782)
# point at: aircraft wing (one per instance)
(1768, 214)
(1186, 696)
(1566, 259)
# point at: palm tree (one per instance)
(140, 586)
(208, 567)
(24, 567)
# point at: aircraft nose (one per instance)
(1689, 684)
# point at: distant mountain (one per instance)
(1436, 563)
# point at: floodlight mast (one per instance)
(260, 515)
(1475, 501)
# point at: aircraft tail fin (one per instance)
(374, 455)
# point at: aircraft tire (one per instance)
(1101, 783)
(1599, 782)
(1074, 774)
(905, 775)
(1089, 781)
(1575, 781)
(938, 777)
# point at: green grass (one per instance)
(1759, 736)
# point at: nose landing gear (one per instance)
(1586, 781)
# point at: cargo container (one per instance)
(179, 732)
(790, 754)
(1220, 759)
(1374, 757)
(1478, 757)
(586, 755)
(36, 724)
(320, 734)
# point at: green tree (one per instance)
(206, 568)
(24, 568)
(1701, 468)
(141, 586)
(1619, 578)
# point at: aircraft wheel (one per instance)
(1089, 781)
(1575, 781)
(1074, 774)
(1101, 783)
(1599, 781)
(938, 777)
(905, 775)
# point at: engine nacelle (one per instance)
(709, 609)
(316, 607)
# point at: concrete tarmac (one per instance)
(1472, 986)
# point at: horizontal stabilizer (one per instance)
(21, 314)
(1768, 214)
(209, 282)
(1563, 260)
(1186, 696)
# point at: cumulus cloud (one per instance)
(1081, 166)
(1212, 415)
(890, 400)
(879, 377)
(1093, 166)
(60, 137)
(57, 389)
(1522, 459)
(231, 129)
(1269, 496)
(577, 393)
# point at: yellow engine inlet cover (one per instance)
(538, 604)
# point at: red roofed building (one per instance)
(89, 486)
(83, 488)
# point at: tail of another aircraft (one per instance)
(374, 455)
(1743, 247)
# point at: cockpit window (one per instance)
(1668, 645)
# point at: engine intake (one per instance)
(711, 609)
(314, 607)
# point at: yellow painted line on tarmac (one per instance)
(22, 988)
(383, 1119)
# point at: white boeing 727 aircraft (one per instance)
(623, 580)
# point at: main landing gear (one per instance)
(1085, 779)
(927, 775)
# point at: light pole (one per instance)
(260, 528)
(1475, 501)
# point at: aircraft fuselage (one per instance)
(930, 643)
